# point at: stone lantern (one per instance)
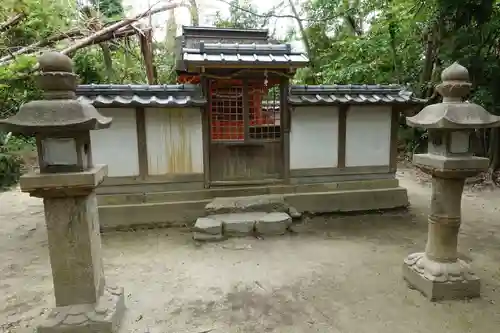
(66, 181)
(438, 272)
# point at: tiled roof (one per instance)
(103, 95)
(352, 94)
(224, 33)
(261, 54)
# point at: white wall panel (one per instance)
(117, 145)
(368, 136)
(174, 139)
(314, 137)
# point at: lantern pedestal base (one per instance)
(440, 281)
(103, 317)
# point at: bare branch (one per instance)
(109, 29)
(270, 14)
(266, 16)
(34, 49)
(46, 42)
(12, 21)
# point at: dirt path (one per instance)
(339, 274)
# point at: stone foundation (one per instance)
(103, 317)
(440, 281)
(184, 207)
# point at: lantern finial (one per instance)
(57, 79)
(455, 86)
(455, 72)
(55, 62)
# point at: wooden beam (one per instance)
(142, 147)
(393, 161)
(342, 136)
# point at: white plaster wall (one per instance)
(368, 136)
(117, 145)
(314, 137)
(174, 139)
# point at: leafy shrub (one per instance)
(11, 158)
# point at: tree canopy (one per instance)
(407, 42)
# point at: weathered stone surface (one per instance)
(294, 213)
(208, 225)
(202, 237)
(75, 249)
(258, 203)
(273, 224)
(239, 224)
(440, 281)
(439, 273)
(102, 317)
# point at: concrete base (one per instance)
(139, 210)
(103, 317)
(461, 285)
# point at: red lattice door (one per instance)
(245, 132)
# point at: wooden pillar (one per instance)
(205, 123)
(342, 129)
(393, 161)
(285, 125)
(142, 147)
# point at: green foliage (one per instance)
(11, 158)
(112, 9)
(368, 41)
(241, 16)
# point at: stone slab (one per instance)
(208, 225)
(294, 213)
(202, 237)
(239, 224)
(258, 203)
(349, 201)
(451, 163)
(273, 224)
(437, 291)
(34, 181)
(103, 317)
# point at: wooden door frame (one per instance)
(285, 122)
(285, 126)
(205, 124)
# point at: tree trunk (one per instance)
(95, 24)
(429, 58)
(146, 42)
(195, 13)
(303, 33)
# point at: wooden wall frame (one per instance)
(142, 146)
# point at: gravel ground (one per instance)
(336, 274)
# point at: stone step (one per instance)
(257, 203)
(219, 226)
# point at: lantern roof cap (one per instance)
(55, 62)
(455, 72)
(454, 112)
(59, 110)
